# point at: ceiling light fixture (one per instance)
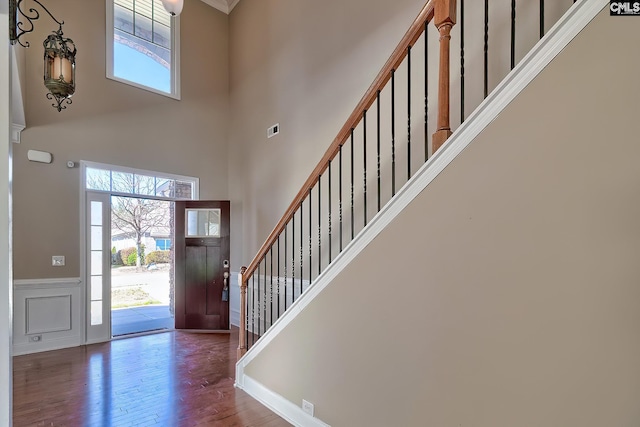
(174, 7)
(59, 53)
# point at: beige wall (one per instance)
(507, 293)
(305, 65)
(114, 123)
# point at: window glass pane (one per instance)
(143, 27)
(162, 35)
(184, 190)
(136, 184)
(96, 213)
(122, 182)
(160, 15)
(165, 188)
(96, 262)
(203, 222)
(96, 288)
(125, 3)
(98, 179)
(123, 19)
(96, 237)
(145, 185)
(142, 39)
(96, 313)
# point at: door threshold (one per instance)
(142, 334)
(206, 331)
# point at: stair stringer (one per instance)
(557, 38)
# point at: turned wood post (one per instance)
(242, 334)
(444, 19)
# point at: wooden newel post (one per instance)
(444, 19)
(242, 335)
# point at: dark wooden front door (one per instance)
(201, 264)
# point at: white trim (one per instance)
(48, 345)
(175, 56)
(224, 6)
(16, 130)
(47, 283)
(278, 404)
(558, 37)
(17, 102)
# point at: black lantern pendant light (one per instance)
(59, 53)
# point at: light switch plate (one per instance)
(57, 260)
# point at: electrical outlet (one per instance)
(57, 260)
(307, 407)
(35, 338)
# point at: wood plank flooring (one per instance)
(170, 379)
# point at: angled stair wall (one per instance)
(506, 286)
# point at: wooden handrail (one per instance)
(398, 55)
(443, 13)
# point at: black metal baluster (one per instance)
(285, 264)
(246, 320)
(461, 61)
(541, 18)
(278, 278)
(426, 91)
(259, 301)
(364, 150)
(340, 195)
(310, 244)
(293, 257)
(408, 113)
(352, 183)
(329, 167)
(513, 33)
(378, 144)
(264, 302)
(302, 247)
(393, 132)
(271, 285)
(253, 308)
(486, 48)
(319, 228)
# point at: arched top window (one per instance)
(143, 46)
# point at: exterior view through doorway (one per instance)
(141, 265)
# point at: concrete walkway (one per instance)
(140, 319)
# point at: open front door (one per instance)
(202, 265)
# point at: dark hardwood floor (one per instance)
(168, 379)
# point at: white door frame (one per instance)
(85, 196)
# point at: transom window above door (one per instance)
(123, 181)
(143, 46)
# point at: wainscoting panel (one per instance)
(46, 314)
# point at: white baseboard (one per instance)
(278, 404)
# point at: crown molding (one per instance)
(225, 6)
